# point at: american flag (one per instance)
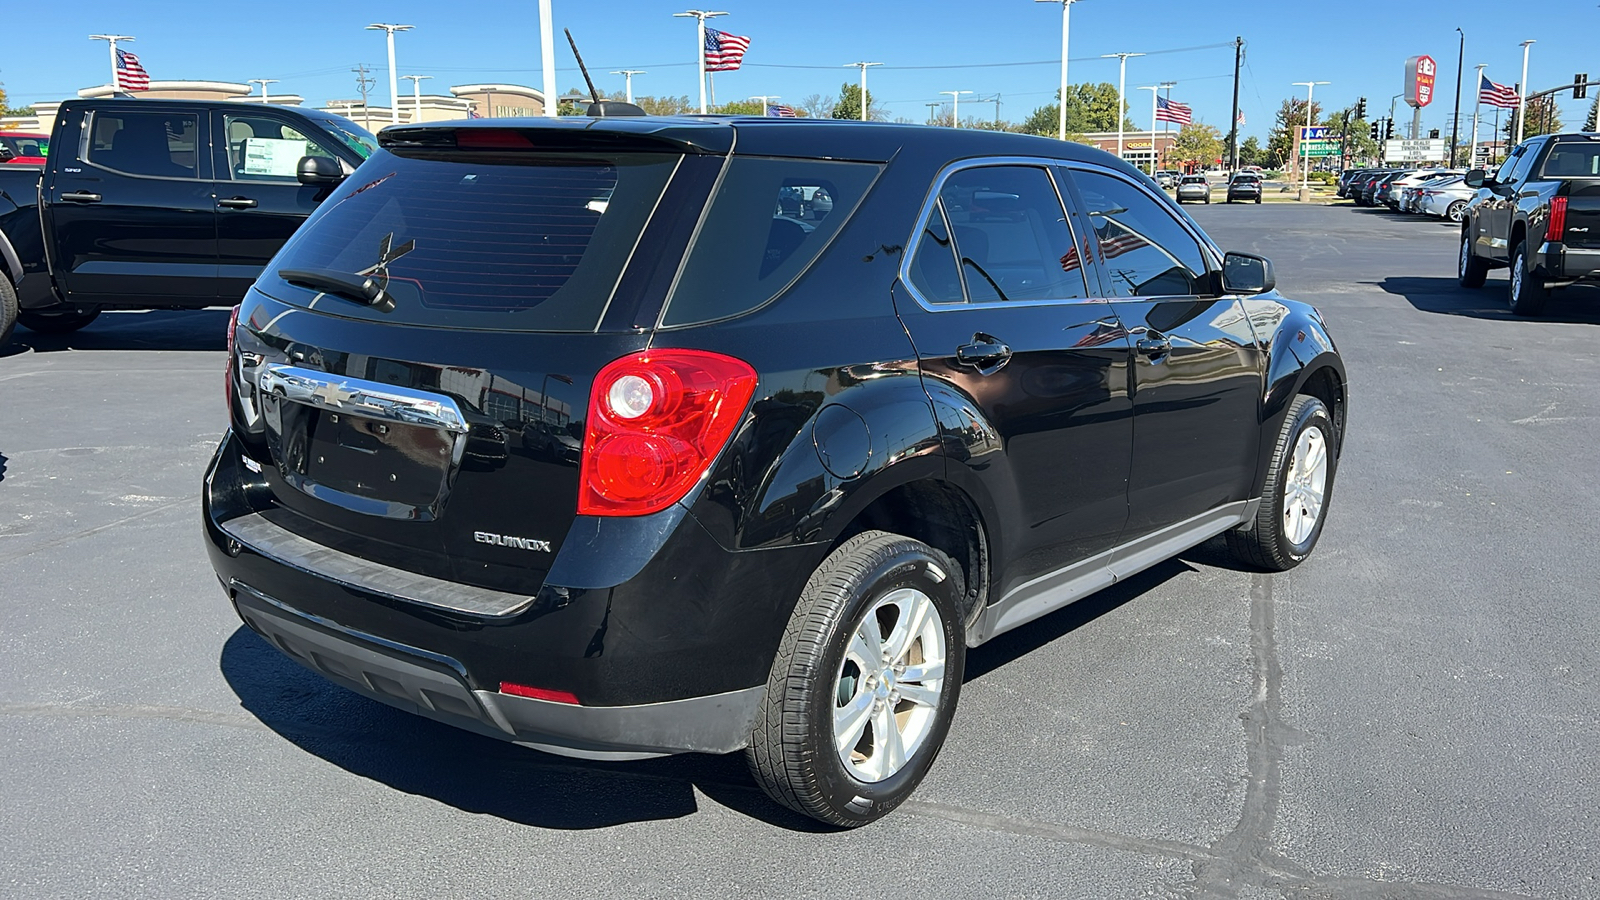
(782, 112)
(1240, 120)
(724, 51)
(1168, 111)
(1496, 94)
(130, 75)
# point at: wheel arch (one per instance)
(1302, 360)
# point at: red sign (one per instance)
(1420, 72)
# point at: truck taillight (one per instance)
(1556, 231)
(656, 421)
(227, 374)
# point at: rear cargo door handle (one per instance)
(986, 354)
(80, 197)
(237, 203)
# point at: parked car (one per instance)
(1194, 188)
(1395, 195)
(1360, 183)
(1168, 178)
(161, 204)
(1245, 186)
(1539, 215)
(18, 148)
(816, 466)
(1344, 179)
(1377, 192)
(1446, 198)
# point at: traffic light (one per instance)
(1388, 129)
(1433, 134)
(1372, 130)
(1580, 85)
(1361, 107)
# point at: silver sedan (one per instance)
(1446, 198)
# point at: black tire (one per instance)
(1525, 295)
(1258, 199)
(792, 751)
(1266, 545)
(1471, 269)
(8, 310)
(56, 322)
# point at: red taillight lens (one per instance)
(1558, 219)
(522, 690)
(656, 421)
(227, 375)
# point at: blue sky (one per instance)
(800, 48)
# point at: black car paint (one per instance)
(858, 404)
(1506, 214)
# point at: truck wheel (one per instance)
(8, 310)
(1471, 269)
(56, 322)
(1527, 296)
(1294, 501)
(864, 683)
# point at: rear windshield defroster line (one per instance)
(532, 245)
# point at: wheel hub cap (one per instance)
(886, 697)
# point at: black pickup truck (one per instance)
(1539, 215)
(161, 204)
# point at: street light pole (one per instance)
(394, 79)
(111, 44)
(765, 100)
(628, 74)
(864, 66)
(1155, 94)
(416, 96)
(700, 16)
(263, 82)
(1122, 86)
(955, 108)
(1455, 120)
(1305, 166)
(1066, 31)
(1522, 92)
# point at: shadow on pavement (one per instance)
(187, 329)
(1578, 305)
(2, 467)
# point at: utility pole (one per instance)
(627, 75)
(1066, 31)
(263, 82)
(1122, 90)
(700, 16)
(934, 117)
(1233, 132)
(416, 96)
(1165, 125)
(1522, 91)
(1155, 94)
(1455, 121)
(111, 44)
(394, 79)
(547, 61)
(1472, 142)
(997, 111)
(864, 66)
(955, 109)
(364, 84)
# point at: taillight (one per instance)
(656, 421)
(1557, 228)
(227, 377)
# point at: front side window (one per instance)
(1503, 174)
(265, 148)
(1011, 235)
(1145, 250)
(139, 142)
(1525, 161)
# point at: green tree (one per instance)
(1250, 153)
(665, 106)
(1196, 143)
(741, 108)
(1291, 115)
(848, 106)
(1090, 108)
(1358, 142)
(1544, 117)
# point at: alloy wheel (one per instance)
(1305, 486)
(886, 696)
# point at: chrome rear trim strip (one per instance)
(360, 397)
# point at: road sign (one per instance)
(1426, 150)
(1319, 148)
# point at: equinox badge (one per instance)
(518, 543)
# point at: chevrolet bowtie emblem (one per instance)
(333, 395)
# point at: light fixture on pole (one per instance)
(1122, 85)
(955, 107)
(700, 16)
(1472, 142)
(1305, 167)
(394, 79)
(864, 66)
(627, 75)
(1522, 91)
(263, 82)
(416, 96)
(934, 117)
(111, 42)
(1066, 30)
(766, 100)
(1155, 92)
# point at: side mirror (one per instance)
(1246, 273)
(318, 170)
(1475, 178)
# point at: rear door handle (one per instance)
(80, 197)
(986, 353)
(1155, 346)
(237, 203)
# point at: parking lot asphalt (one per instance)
(1413, 713)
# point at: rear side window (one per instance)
(536, 244)
(769, 220)
(1571, 159)
(161, 144)
(1011, 235)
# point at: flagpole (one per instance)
(111, 46)
(1522, 91)
(1155, 93)
(1472, 142)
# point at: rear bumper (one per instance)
(1562, 263)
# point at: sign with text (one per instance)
(1420, 72)
(1314, 132)
(1327, 147)
(1425, 150)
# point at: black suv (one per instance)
(577, 434)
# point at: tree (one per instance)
(1589, 123)
(815, 106)
(1291, 115)
(1090, 107)
(1544, 117)
(741, 108)
(665, 106)
(1250, 153)
(1196, 143)
(1358, 139)
(848, 106)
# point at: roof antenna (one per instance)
(600, 107)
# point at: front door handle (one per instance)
(986, 353)
(1155, 346)
(237, 203)
(80, 197)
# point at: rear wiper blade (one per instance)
(363, 289)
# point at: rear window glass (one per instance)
(769, 220)
(1571, 159)
(534, 245)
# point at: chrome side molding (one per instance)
(360, 397)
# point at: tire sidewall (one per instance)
(1312, 414)
(8, 310)
(913, 567)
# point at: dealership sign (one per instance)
(1420, 71)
